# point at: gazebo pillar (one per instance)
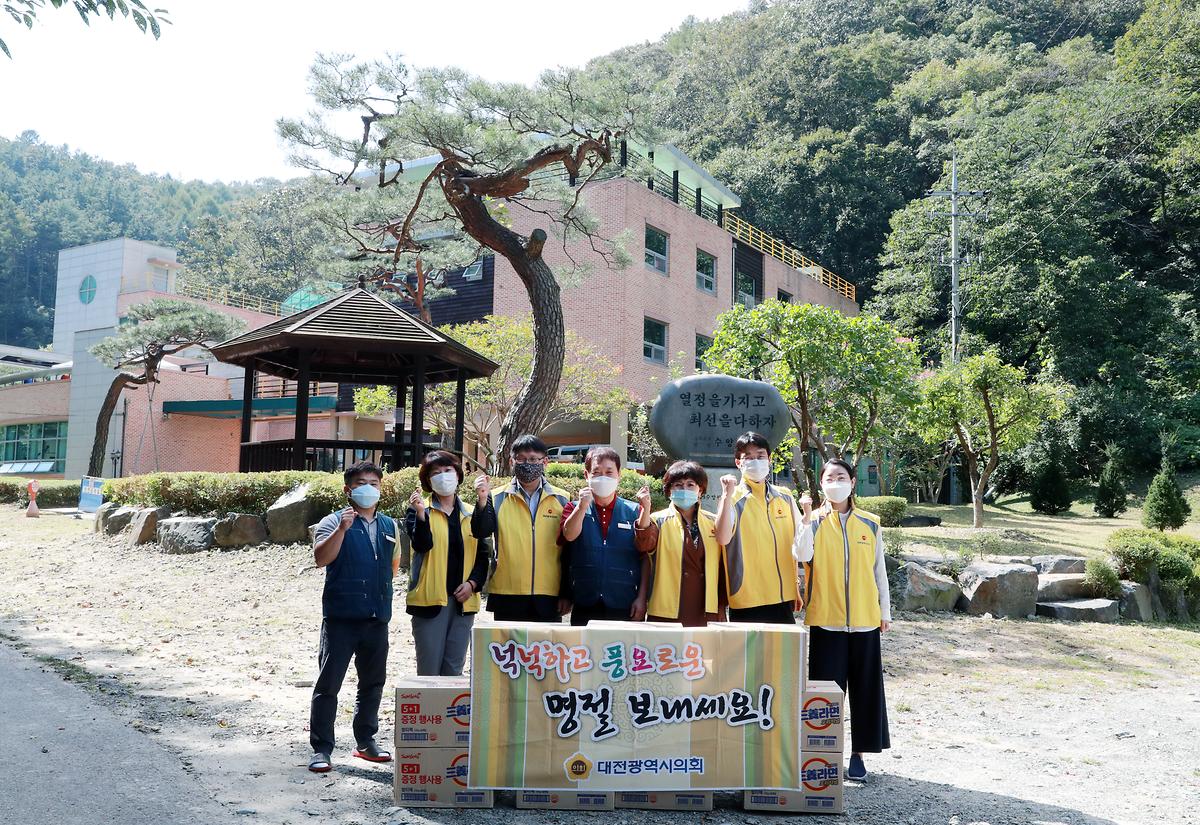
(460, 410)
(248, 384)
(300, 448)
(418, 409)
(398, 441)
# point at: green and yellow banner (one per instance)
(622, 706)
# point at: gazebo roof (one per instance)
(355, 337)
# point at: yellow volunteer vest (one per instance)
(668, 562)
(830, 587)
(427, 587)
(527, 552)
(759, 558)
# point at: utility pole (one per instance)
(957, 210)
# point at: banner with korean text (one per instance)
(622, 706)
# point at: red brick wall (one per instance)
(185, 442)
(607, 307)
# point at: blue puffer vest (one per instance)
(358, 583)
(608, 570)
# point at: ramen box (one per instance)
(436, 778)
(665, 800)
(566, 800)
(822, 715)
(822, 791)
(433, 712)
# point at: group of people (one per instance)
(763, 556)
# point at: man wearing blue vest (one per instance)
(604, 576)
(356, 547)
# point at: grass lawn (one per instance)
(1078, 532)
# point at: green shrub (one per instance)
(894, 543)
(1165, 507)
(1174, 565)
(1187, 544)
(1101, 579)
(10, 489)
(987, 543)
(890, 509)
(1135, 552)
(1049, 489)
(561, 469)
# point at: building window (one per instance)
(654, 341)
(33, 448)
(785, 297)
(474, 272)
(706, 272)
(87, 290)
(745, 290)
(703, 342)
(657, 246)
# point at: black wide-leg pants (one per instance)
(855, 662)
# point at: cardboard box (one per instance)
(566, 800)
(665, 800)
(436, 778)
(822, 790)
(822, 718)
(433, 711)
(830, 802)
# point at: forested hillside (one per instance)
(52, 197)
(832, 118)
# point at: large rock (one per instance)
(700, 416)
(143, 528)
(1055, 587)
(102, 514)
(1003, 590)
(921, 521)
(185, 534)
(915, 588)
(240, 529)
(1059, 564)
(1081, 610)
(1136, 604)
(891, 564)
(118, 520)
(289, 517)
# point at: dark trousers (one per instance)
(765, 614)
(854, 661)
(367, 641)
(581, 614)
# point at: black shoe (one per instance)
(857, 770)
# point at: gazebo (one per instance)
(353, 338)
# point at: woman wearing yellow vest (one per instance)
(847, 606)
(449, 568)
(688, 582)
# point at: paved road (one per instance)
(95, 769)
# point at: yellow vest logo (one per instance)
(578, 767)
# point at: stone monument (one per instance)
(701, 416)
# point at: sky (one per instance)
(202, 101)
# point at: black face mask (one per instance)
(527, 471)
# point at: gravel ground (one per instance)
(212, 656)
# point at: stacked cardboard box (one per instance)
(822, 743)
(665, 800)
(566, 800)
(433, 724)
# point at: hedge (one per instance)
(53, 492)
(219, 493)
(1136, 550)
(890, 509)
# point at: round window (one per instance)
(87, 289)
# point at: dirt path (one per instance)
(212, 656)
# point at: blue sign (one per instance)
(90, 497)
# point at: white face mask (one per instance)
(837, 491)
(444, 483)
(603, 486)
(756, 469)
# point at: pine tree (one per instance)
(1049, 489)
(1165, 508)
(1110, 492)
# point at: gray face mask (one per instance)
(527, 471)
